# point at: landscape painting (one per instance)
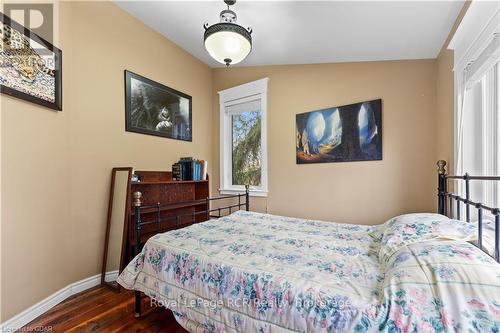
(340, 134)
(154, 109)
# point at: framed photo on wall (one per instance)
(154, 109)
(340, 134)
(30, 66)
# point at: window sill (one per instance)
(253, 193)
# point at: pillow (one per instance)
(406, 229)
(488, 236)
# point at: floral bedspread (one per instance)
(251, 272)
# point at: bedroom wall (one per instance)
(56, 166)
(444, 107)
(445, 97)
(356, 192)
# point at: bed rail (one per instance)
(450, 204)
(243, 201)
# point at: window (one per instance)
(480, 145)
(476, 46)
(243, 139)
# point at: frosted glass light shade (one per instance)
(228, 43)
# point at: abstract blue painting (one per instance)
(340, 134)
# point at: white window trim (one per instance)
(476, 50)
(476, 31)
(242, 93)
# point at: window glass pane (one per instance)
(246, 148)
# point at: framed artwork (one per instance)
(154, 109)
(30, 66)
(340, 134)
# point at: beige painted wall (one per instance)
(444, 107)
(356, 192)
(445, 97)
(56, 167)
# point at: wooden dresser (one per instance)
(180, 197)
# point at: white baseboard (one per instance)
(46, 304)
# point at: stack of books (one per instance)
(189, 168)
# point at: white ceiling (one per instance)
(302, 32)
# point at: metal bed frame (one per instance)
(138, 223)
(445, 204)
(445, 207)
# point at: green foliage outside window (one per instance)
(246, 148)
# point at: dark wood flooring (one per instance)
(102, 310)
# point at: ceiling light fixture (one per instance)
(228, 42)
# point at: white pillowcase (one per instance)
(406, 229)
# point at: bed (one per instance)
(252, 272)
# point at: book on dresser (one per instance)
(176, 197)
(189, 168)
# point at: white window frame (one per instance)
(256, 90)
(476, 50)
(476, 31)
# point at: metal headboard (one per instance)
(450, 204)
(205, 215)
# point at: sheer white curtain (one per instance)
(478, 124)
(476, 46)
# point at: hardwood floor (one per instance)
(101, 310)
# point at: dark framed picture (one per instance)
(340, 134)
(30, 66)
(154, 109)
